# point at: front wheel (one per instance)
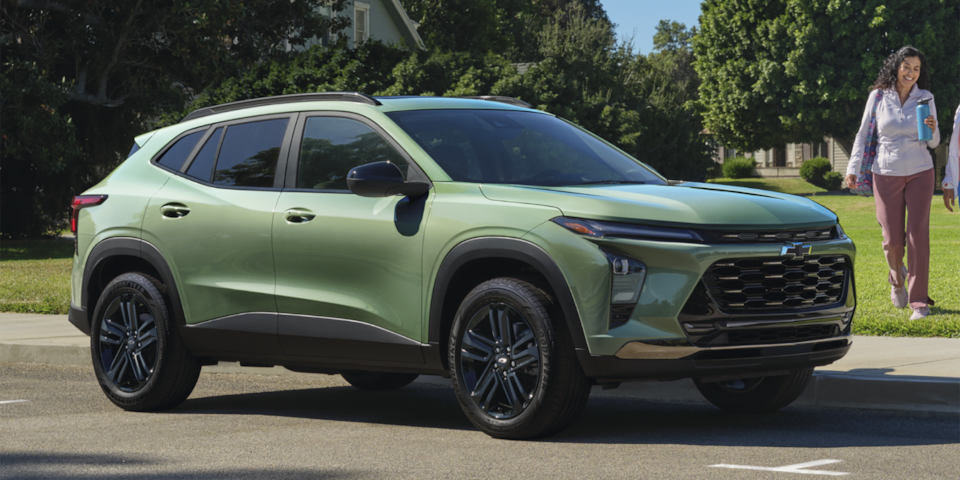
(512, 362)
(138, 356)
(756, 395)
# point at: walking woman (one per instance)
(953, 165)
(903, 175)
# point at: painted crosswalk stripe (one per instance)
(13, 401)
(796, 468)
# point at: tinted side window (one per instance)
(202, 165)
(332, 146)
(248, 156)
(178, 153)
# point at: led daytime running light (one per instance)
(597, 229)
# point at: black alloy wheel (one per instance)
(128, 342)
(512, 361)
(138, 355)
(500, 361)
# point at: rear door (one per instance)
(212, 221)
(348, 267)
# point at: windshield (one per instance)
(525, 148)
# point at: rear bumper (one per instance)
(679, 359)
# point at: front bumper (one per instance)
(78, 317)
(675, 359)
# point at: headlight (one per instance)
(598, 229)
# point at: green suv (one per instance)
(382, 238)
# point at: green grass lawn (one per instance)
(793, 186)
(35, 276)
(876, 315)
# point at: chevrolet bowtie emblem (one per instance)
(795, 250)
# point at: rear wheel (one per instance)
(756, 395)
(379, 380)
(512, 362)
(138, 356)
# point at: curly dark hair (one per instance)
(887, 78)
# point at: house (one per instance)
(383, 20)
(786, 161)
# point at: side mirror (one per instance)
(382, 179)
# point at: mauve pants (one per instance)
(895, 196)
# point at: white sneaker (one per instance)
(919, 313)
(898, 296)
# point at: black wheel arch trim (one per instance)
(130, 247)
(510, 248)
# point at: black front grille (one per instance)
(774, 236)
(781, 335)
(777, 283)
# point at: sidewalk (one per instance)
(921, 374)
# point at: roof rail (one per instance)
(281, 99)
(502, 99)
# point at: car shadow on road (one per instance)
(606, 419)
(72, 466)
(416, 405)
(626, 420)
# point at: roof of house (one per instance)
(406, 26)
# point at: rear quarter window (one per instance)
(174, 157)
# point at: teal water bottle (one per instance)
(923, 111)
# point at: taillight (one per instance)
(83, 201)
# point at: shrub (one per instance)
(738, 167)
(813, 170)
(833, 180)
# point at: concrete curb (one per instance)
(827, 389)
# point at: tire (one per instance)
(147, 371)
(379, 380)
(756, 395)
(532, 393)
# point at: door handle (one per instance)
(174, 210)
(298, 215)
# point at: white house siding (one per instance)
(838, 157)
(384, 22)
(382, 25)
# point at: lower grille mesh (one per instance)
(782, 335)
(777, 283)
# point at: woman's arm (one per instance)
(953, 158)
(936, 130)
(856, 155)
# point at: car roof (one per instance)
(388, 103)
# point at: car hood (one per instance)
(702, 205)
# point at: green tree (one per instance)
(507, 27)
(38, 147)
(783, 71)
(584, 75)
(105, 67)
(673, 36)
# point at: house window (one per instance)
(820, 150)
(361, 22)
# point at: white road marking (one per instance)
(797, 468)
(13, 401)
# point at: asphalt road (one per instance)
(253, 426)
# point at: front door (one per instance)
(349, 279)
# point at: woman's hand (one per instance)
(948, 198)
(852, 181)
(931, 122)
